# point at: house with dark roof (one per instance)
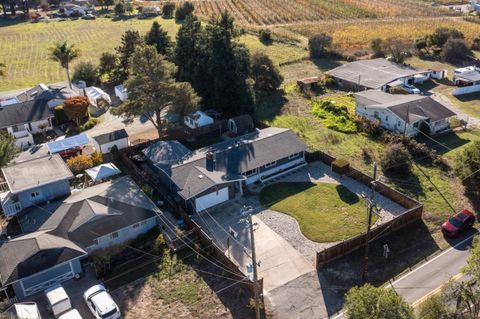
(214, 174)
(467, 80)
(61, 234)
(405, 114)
(104, 142)
(33, 182)
(241, 124)
(376, 74)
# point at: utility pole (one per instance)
(255, 274)
(371, 203)
(406, 120)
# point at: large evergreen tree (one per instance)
(186, 50)
(130, 41)
(265, 74)
(159, 39)
(223, 67)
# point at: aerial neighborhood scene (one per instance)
(240, 159)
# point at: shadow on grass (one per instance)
(408, 246)
(274, 193)
(408, 184)
(472, 97)
(346, 195)
(451, 141)
(270, 106)
(123, 18)
(326, 64)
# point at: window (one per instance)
(95, 242)
(386, 117)
(293, 155)
(251, 172)
(18, 128)
(270, 164)
(114, 235)
(399, 123)
(34, 194)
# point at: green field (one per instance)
(325, 212)
(24, 46)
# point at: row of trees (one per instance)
(458, 300)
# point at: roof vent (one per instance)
(200, 176)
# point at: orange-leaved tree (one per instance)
(78, 164)
(76, 108)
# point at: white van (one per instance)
(58, 300)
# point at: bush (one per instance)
(371, 128)
(78, 164)
(60, 115)
(328, 81)
(319, 45)
(396, 160)
(97, 158)
(88, 125)
(476, 44)
(167, 9)
(335, 117)
(159, 244)
(119, 9)
(455, 50)
(184, 10)
(85, 71)
(377, 47)
(441, 36)
(467, 164)
(265, 36)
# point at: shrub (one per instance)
(265, 36)
(455, 50)
(97, 158)
(88, 125)
(119, 9)
(78, 164)
(159, 243)
(167, 9)
(371, 128)
(396, 160)
(335, 117)
(60, 115)
(319, 45)
(441, 36)
(85, 71)
(328, 81)
(476, 44)
(420, 43)
(377, 47)
(184, 10)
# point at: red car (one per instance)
(458, 222)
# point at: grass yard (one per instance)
(325, 212)
(25, 46)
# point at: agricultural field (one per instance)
(275, 12)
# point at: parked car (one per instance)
(58, 300)
(89, 16)
(411, 89)
(457, 223)
(101, 303)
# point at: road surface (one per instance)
(428, 279)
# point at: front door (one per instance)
(36, 197)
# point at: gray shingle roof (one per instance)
(471, 76)
(25, 112)
(111, 136)
(373, 73)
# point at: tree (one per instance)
(78, 164)
(85, 71)
(435, 308)
(455, 50)
(64, 54)
(184, 10)
(377, 47)
(265, 36)
(108, 62)
(129, 7)
(368, 302)
(119, 9)
(186, 50)
(467, 164)
(265, 74)
(396, 160)
(441, 36)
(167, 9)
(223, 68)
(8, 150)
(159, 39)
(96, 158)
(397, 49)
(319, 45)
(186, 101)
(76, 108)
(152, 88)
(130, 41)
(108, 3)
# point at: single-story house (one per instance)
(23, 119)
(33, 182)
(467, 79)
(104, 142)
(197, 119)
(217, 173)
(55, 95)
(375, 74)
(97, 97)
(121, 92)
(241, 124)
(150, 11)
(73, 9)
(94, 218)
(406, 114)
(438, 72)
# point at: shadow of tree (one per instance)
(346, 195)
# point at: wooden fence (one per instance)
(413, 213)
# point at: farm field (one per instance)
(24, 46)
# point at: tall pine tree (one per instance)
(159, 39)
(130, 41)
(186, 50)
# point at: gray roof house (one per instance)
(408, 114)
(375, 74)
(215, 174)
(104, 142)
(467, 79)
(60, 234)
(33, 182)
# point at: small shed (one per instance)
(121, 92)
(307, 84)
(102, 172)
(438, 72)
(24, 310)
(197, 119)
(242, 124)
(104, 142)
(97, 97)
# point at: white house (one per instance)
(121, 92)
(467, 80)
(197, 119)
(405, 114)
(96, 96)
(104, 142)
(438, 72)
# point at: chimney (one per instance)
(210, 162)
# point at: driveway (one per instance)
(472, 121)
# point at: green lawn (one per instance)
(325, 212)
(24, 46)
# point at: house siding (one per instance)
(388, 119)
(47, 192)
(105, 148)
(281, 164)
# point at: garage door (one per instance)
(47, 279)
(212, 199)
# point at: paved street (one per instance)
(427, 279)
